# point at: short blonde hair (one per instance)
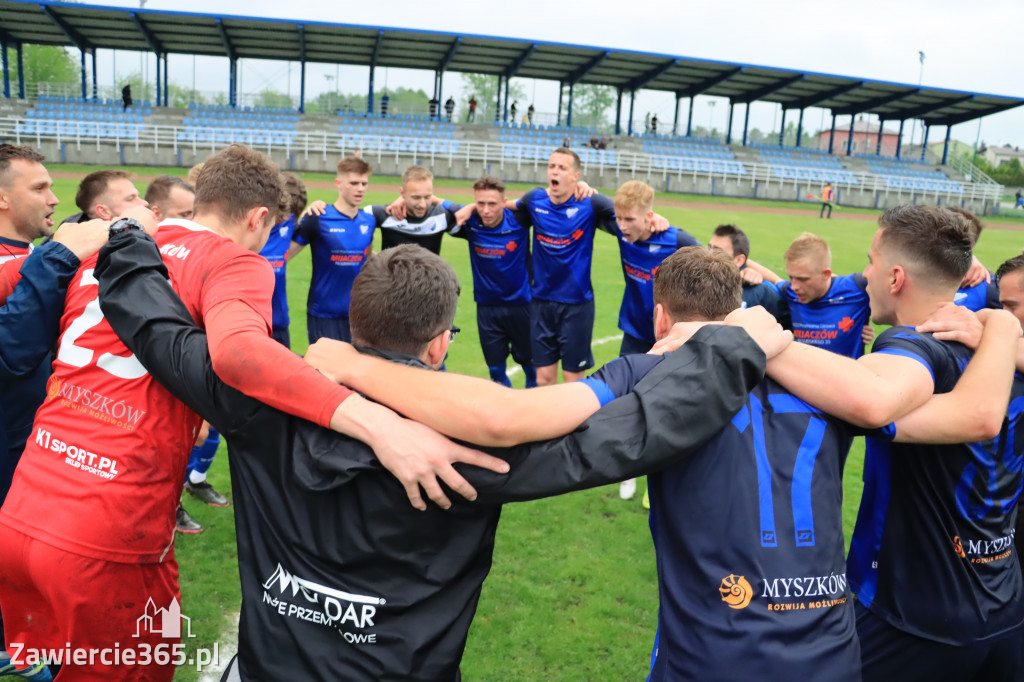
(193, 173)
(416, 174)
(635, 194)
(809, 245)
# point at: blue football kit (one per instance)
(563, 243)
(979, 297)
(933, 551)
(764, 295)
(833, 322)
(639, 262)
(340, 247)
(750, 550)
(276, 252)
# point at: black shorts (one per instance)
(562, 331)
(633, 346)
(888, 653)
(330, 327)
(504, 327)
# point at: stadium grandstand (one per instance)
(86, 128)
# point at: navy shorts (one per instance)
(503, 327)
(633, 346)
(282, 336)
(330, 327)
(562, 331)
(888, 653)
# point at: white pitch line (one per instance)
(515, 369)
(227, 647)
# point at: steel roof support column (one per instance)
(84, 92)
(632, 103)
(568, 117)
(782, 128)
(800, 129)
(505, 113)
(497, 105)
(618, 112)
(924, 142)
(675, 117)
(899, 140)
(233, 81)
(728, 132)
(849, 138)
(159, 90)
(881, 129)
(558, 121)
(945, 147)
(369, 96)
(167, 79)
(302, 69)
(689, 118)
(746, 123)
(21, 72)
(832, 135)
(7, 77)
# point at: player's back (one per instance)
(749, 538)
(109, 445)
(933, 549)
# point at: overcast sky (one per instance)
(968, 45)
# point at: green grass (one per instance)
(573, 593)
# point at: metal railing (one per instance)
(432, 151)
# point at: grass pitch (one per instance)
(573, 592)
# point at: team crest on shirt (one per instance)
(363, 229)
(654, 248)
(570, 212)
(283, 232)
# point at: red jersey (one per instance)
(104, 466)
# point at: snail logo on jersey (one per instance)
(98, 406)
(350, 614)
(570, 212)
(736, 591)
(984, 551)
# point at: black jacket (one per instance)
(341, 578)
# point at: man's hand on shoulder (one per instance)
(751, 276)
(763, 328)
(583, 191)
(396, 209)
(660, 223)
(464, 214)
(331, 357)
(317, 208)
(952, 322)
(977, 274)
(83, 239)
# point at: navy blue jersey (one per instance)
(834, 321)
(639, 261)
(750, 550)
(340, 247)
(933, 551)
(563, 243)
(500, 258)
(979, 297)
(276, 251)
(764, 295)
(426, 231)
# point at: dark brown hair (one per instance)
(296, 190)
(697, 284)
(489, 182)
(236, 180)
(932, 243)
(12, 152)
(95, 184)
(353, 164)
(740, 240)
(576, 163)
(161, 186)
(402, 299)
(973, 223)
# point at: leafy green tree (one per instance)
(591, 105)
(44, 64)
(269, 97)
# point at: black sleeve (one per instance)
(145, 312)
(680, 404)
(604, 214)
(992, 296)
(860, 281)
(621, 375)
(684, 239)
(30, 317)
(379, 213)
(308, 230)
(784, 317)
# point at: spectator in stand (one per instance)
(513, 109)
(449, 107)
(434, 102)
(471, 114)
(567, 142)
(126, 96)
(654, 124)
(1020, 200)
(602, 142)
(529, 114)
(384, 100)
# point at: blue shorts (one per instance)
(633, 346)
(503, 327)
(330, 327)
(888, 653)
(562, 331)
(282, 336)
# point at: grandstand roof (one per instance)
(90, 26)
